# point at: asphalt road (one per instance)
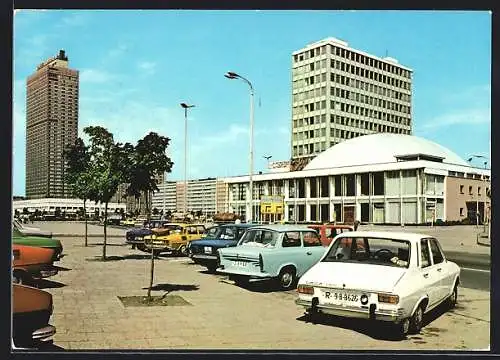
(475, 272)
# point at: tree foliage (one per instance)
(148, 160)
(78, 175)
(108, 166)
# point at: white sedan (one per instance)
(395, 277)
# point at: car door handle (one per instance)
(309, 253)
(440, 269)
(426, 275)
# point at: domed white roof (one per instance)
(378, 149)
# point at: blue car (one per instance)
(205, 252)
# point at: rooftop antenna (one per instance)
(386, 53)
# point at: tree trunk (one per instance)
(151, 274)
(105, 231)
(85, 219)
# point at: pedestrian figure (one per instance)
(356, 224)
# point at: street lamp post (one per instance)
(267, 158)
(185, 107)
(233, 75)
(484, 189)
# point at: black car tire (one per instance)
(183, 250)
(452, 300)
(212, 268)
(417, 320)
(403, 328)
(286, 278)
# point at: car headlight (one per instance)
(390, 299)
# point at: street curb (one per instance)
(89, 235)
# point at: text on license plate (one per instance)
(338, 296)
(208, 249)
(239, 263)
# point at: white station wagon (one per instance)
(389, 276)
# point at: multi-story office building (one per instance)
(51, 124)
(132, 203)
(206, 195)
(340, 93)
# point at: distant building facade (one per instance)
(51, 125)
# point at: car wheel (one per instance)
(183, 250)
(417, 319)
(211, 269)
(240, 280)
(20, 278)
(286, 278)
(403, 328)
(452, 300)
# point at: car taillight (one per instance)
(261, 263)
(304, 289)
(390, 299)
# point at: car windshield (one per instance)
(226, 233)
(378, 251)
(260, 238)
(173, 229)
(212, 232)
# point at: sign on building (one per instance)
(271, 204)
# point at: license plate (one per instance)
(208, 249)
(339, 297)
(239, 263)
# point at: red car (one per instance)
(328, 232)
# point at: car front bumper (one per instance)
(44, 334)
(394, 316)
(48, 272)
(204, 257)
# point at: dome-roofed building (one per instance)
(382, 148)
(376, 178)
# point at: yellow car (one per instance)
(173, 237)
(127, 222)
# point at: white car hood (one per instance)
(355, 276)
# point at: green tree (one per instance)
(148, 160)
(107, 167)
(78, 176)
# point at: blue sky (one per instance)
(136, 67)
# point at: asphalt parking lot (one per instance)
(220, 315)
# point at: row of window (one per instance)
(470, 190)
(353, 56)
(348, 81)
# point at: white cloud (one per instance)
(458, 117)
(73, 19)
(96, 76)
(147, 66)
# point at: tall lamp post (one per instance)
(186, 107)
(484, 188)
(233, 75)
(267, 158)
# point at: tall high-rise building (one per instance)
(51, 124)
(339, 93)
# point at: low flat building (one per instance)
(49, 206)
(377, 178)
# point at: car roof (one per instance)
(409, 236)
(282, 227)
(237, 225)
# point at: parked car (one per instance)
(210, 231)
(280, 252)
(31, 312)
(205, 251)
(29, 262)
(30, 231)
(328, 232)
(174, 237)
(140, 221)
(20, 239)
(395, 277)
(128, 222)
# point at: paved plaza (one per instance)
(221, 315)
